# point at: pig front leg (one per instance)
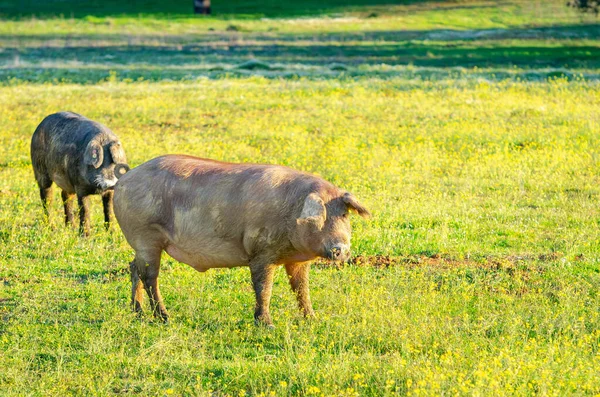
(262, 281)
(298, 275)
(84, 214)
(68, 201)
(107, 203)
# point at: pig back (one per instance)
(68, 133)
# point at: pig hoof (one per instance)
(260, 323)
(310, 315)
(163, 319)
(137, 310)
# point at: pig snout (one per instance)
(105, 184)
(108, 178)
(121, 169)
(339, 252)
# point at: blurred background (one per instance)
(92, 41)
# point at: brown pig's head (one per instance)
(103, 165)
(323, 228)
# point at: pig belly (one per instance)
(62, 182)
(226, 256)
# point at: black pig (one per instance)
(82, 157)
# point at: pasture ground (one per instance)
(468, 128)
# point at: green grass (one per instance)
(469, 129)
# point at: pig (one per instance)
(211, 214)
(80, 156)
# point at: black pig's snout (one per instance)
(121, 169)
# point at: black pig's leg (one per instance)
(107, 203)
(46, 196)
(84, 214)
(68, 201)
(45, 184)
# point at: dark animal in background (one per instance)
(82, 157)
(210, 214)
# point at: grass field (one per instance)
(468, 128)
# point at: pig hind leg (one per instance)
(45, 184)
(137, 288)
(147, 266)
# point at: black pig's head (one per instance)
(104, 164)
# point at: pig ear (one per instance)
(94, 154)
(117, 153)
(313, 211)
(354, 205)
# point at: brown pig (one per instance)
(211, 214)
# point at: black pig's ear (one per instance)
(353, 205)
(94, 154)
(313, 211)
(117, 153)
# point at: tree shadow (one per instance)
(164, 9)
(92, 57)
(417, 54)
(590, 31)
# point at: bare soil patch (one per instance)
(444, 261)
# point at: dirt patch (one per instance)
(442, 261)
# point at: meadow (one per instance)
(468, 128)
